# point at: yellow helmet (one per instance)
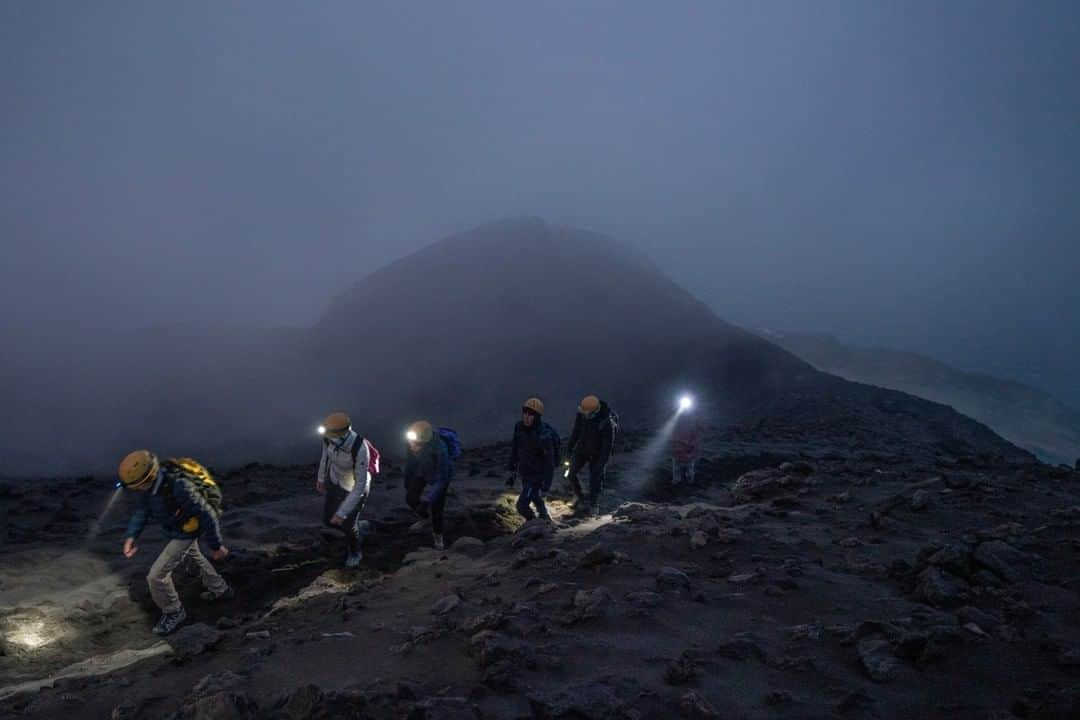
(336, 424)
(420, 431)
(589, 404)
(138, 469)
(534, 404)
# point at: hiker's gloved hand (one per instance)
(510, 480)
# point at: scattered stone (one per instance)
(955, 559)
(876, 655)
(446, 605)
(940, 589)
(258, 635)
(698, 540)
(193, 640)
(596, 556)
(742, 647)
(469, 546)
(974, 629)
(682, 670)
(444, 708)
(226, 623)
(1002, 559)
(671, 579)
(222, 706)
(605, 698)
(969, 614)
(743, 578)
(216, 682)
(778, 697)
(694, 707)
(920, 500)
(1069, 657)
(728, 536)
(303, 703)
(644, 598)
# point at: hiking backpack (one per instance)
(199, 477)
(453, 442)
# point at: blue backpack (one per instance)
(453, 442)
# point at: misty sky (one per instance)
(893, 172)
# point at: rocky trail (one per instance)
(787, 583)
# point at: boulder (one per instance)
(941, 589)
(446, 604)
(469, 546)
(672, 579)
(877, 658)
(1002, 559)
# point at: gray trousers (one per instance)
(160, 580)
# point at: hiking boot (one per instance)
(210, 596)
(438, 541)
(596, 510)
(353, 561)
(169, 622)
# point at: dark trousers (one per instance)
(353, 526)
(597, 470)
(414, 491)
(532, 493)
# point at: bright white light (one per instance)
(411, 436)
(31, 634)
(685, 403)
(322, 430)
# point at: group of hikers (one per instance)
(184, 498)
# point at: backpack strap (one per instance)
(355, 450)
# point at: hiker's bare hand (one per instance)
(320, 486)
(337, 520)
(130, 548)
(219, 553)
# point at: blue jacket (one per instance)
(173, 502)
(432, 465)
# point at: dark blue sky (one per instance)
(903, 173)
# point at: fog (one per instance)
(896, 174)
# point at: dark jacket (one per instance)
(431, 466)
(593, 437)
(532, 453)
(174, 502)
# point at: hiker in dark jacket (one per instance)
(533, 456)
(428, 472)
(591, 443)
(180, 494)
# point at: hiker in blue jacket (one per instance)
(428, 472)
(180, 494)
(534, 454)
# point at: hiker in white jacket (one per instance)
(345, 471)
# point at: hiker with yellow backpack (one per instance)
(183, 496)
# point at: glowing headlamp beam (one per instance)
(685, 403)
(321, 430)
(411, 436)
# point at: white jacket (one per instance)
(336, 467)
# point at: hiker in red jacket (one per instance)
(687, 446)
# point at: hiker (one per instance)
(428, 471)
(534, 454)
(183, 496)
(345, 469)
(687, 445)
(592, 441)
